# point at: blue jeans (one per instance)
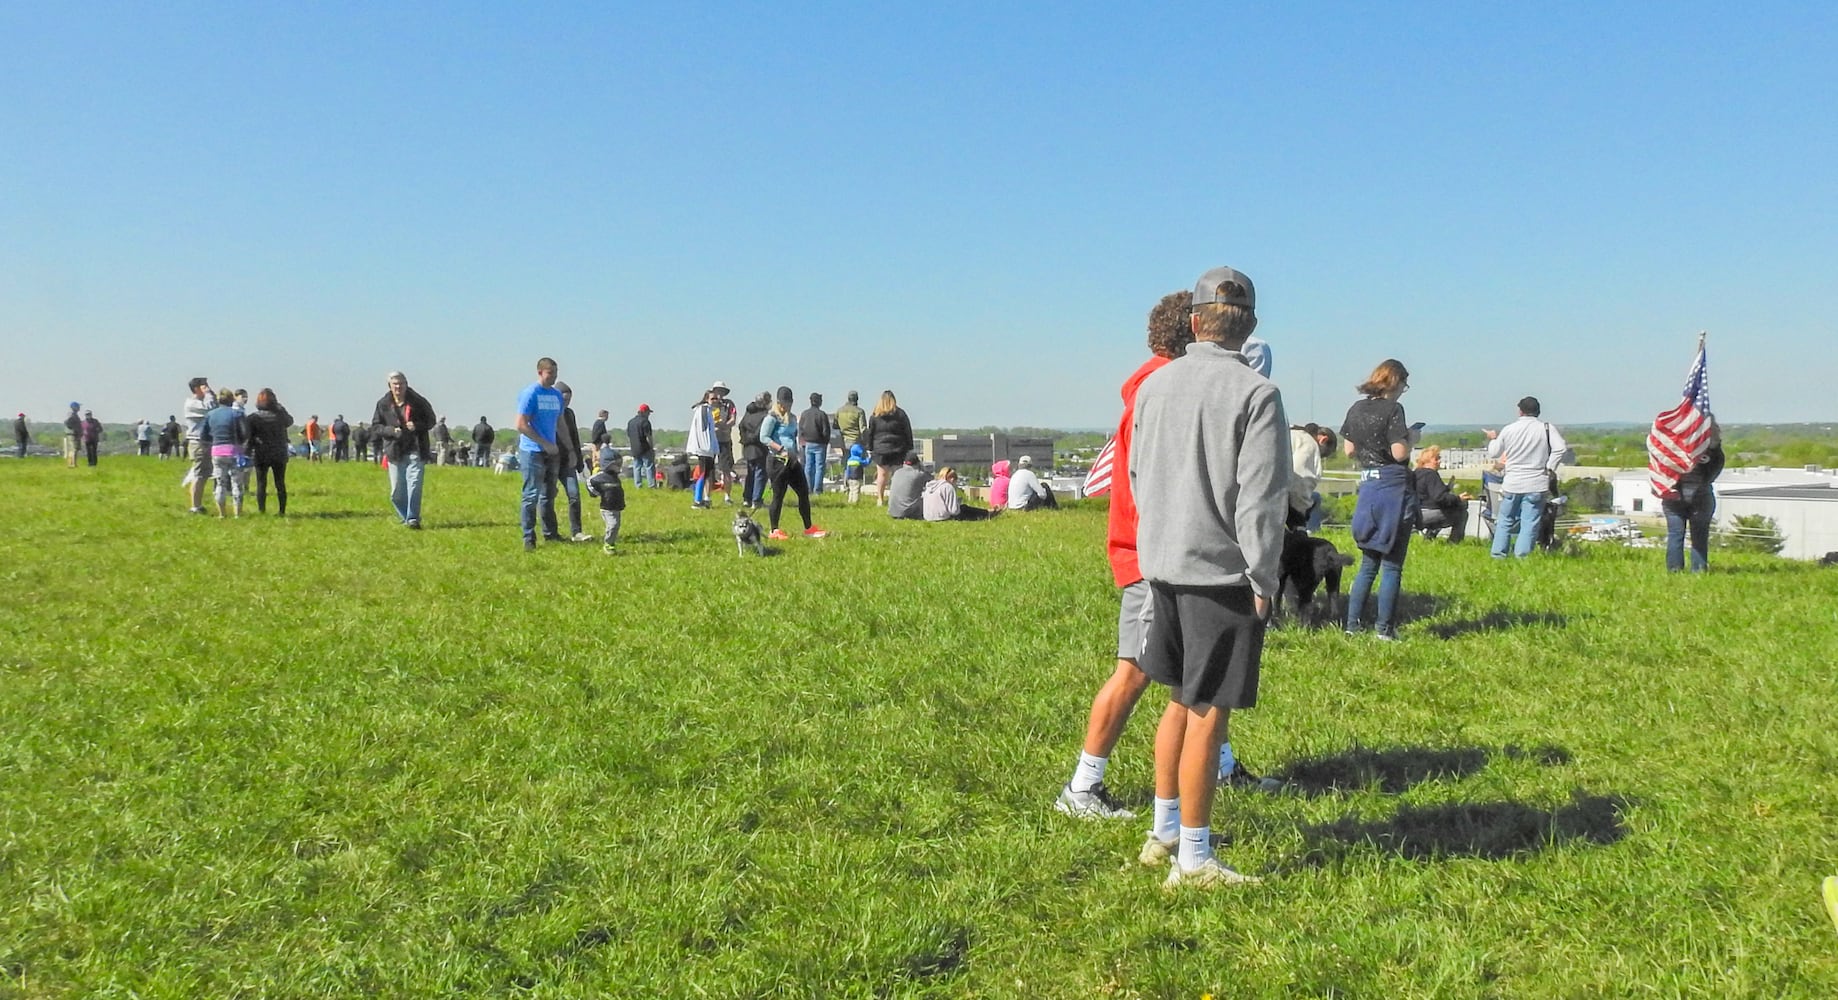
(644, 473)
(570, 481)
(1388, 568)
(538, 492)
(405, 487)
(814, 465)
(1689, 516)
(755, 492)
(1519, 513)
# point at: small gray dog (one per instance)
(746, 532)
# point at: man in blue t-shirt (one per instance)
(538, 409)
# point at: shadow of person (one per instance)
(1490, 831)
(1392, 770)
(1498, 620)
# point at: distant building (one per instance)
(984, 450)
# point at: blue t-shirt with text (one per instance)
(543, 407)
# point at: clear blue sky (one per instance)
(970, 204)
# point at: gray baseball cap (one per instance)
(1211, 288)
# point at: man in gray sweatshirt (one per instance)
(1209, 467)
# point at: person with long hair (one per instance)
(889, 437)
(702, 445)
(1378, 439)
(779, 433)
(942, 502)
(268, 447)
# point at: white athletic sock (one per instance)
(1226, 760)
(1196, 846)
(1167, 819)
(1089, 773)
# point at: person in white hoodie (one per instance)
(941, 502)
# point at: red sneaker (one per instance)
(777, 535)
(814, 532)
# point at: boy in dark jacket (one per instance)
(605, 485)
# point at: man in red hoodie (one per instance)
(1085, 796)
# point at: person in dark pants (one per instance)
(779, 433)
(1689, 513)
(22, 435)
(1441, 506)
(569, 460)
(341, 439)
(92, 436)
(753, 450)
(482, 437)
(268, 424)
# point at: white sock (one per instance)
(1167, 819)
(1196, 846)
(1090, 772)
(1226, 760)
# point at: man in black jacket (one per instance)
(400, 428)
(22, 434)
(341, 439)
(569, 461)
(482, 436)
(814, 432)
(641, 448)
(601, 437)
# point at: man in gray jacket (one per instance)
(1209, 466)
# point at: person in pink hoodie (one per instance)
(998, 485)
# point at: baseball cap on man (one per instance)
(1212, 288)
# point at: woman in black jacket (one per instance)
(889, 437)
(268, 447)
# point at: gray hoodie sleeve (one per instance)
(1263, 488)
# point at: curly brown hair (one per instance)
(1170, 330)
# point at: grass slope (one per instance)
(325, 756)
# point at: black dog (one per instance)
(1309, 562)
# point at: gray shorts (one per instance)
(1133, 618)
(1206, 643)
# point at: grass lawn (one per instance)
(327, 756)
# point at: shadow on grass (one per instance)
(1394, 770)
(1492, 831)
(1498, 620)
(1411, 607)
(336, 515)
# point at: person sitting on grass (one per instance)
(1026, 491)
(605, 484)
(941, 502)
(998, 484)
(906, 488)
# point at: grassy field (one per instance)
(326, 756)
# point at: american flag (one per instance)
(1681, 435)
(1097, 481)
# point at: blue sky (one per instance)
(971, 204)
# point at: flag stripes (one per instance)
(1097, 481)
(1681, 435)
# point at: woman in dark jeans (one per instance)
(1378, 440)
(1689, 513)
(268, 426)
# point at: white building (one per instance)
(1802, 502)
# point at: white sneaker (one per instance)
(1210, 874)
(1157, 853)
(581, 536)
(1098, 803)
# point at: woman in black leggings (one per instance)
(779, 433)
(268, 446)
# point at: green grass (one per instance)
(325, 756)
